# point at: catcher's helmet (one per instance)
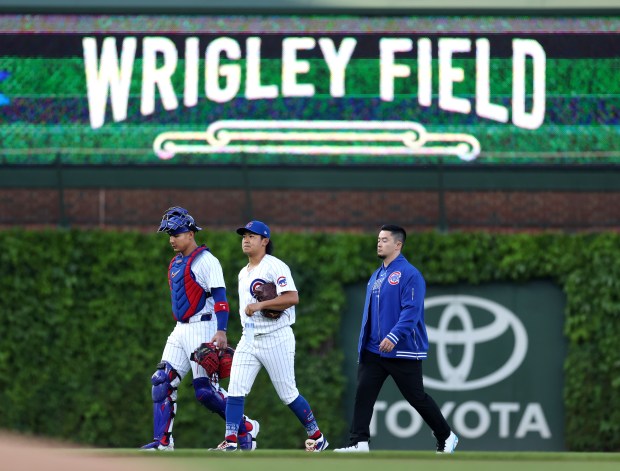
(177, 220)
(176, 211)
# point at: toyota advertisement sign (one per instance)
(495, 368)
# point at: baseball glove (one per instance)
(208, 357)
(265, 292)
(226, 358)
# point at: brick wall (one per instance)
(315, 210)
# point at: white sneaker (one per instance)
(448, 445)
(359, 447)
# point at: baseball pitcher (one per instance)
(267, 299)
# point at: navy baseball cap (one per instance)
(255, 227)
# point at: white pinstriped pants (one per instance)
(276, 352)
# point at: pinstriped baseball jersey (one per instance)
(208, 272)
(271, 343)
(186, 337)
(270, 269)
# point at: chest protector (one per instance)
(187, 296)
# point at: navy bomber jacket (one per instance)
(400, 300)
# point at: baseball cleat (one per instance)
(225, 446)
(157, 445)
(317, 445)
(247, 441)
(254, 427)
(448, 445)
(253, 430)
(359, 447)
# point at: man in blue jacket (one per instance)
(393, 342)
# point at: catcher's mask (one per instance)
(177, 220)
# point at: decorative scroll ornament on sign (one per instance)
(303, 137)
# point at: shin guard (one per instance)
(164, 392)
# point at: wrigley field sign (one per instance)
(309, 90)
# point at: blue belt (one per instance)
(204, 317)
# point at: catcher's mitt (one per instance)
(226, 358)
(265, 292)
(208, 357)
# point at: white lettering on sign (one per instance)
(471, 419)
(109, 72)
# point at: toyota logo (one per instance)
(455, 377)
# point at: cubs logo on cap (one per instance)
(255, 227)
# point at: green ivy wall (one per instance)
(85, 316)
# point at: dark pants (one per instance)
(372, 372)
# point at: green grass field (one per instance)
(287, 460)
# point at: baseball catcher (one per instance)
(265, 292)
(200, 309)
